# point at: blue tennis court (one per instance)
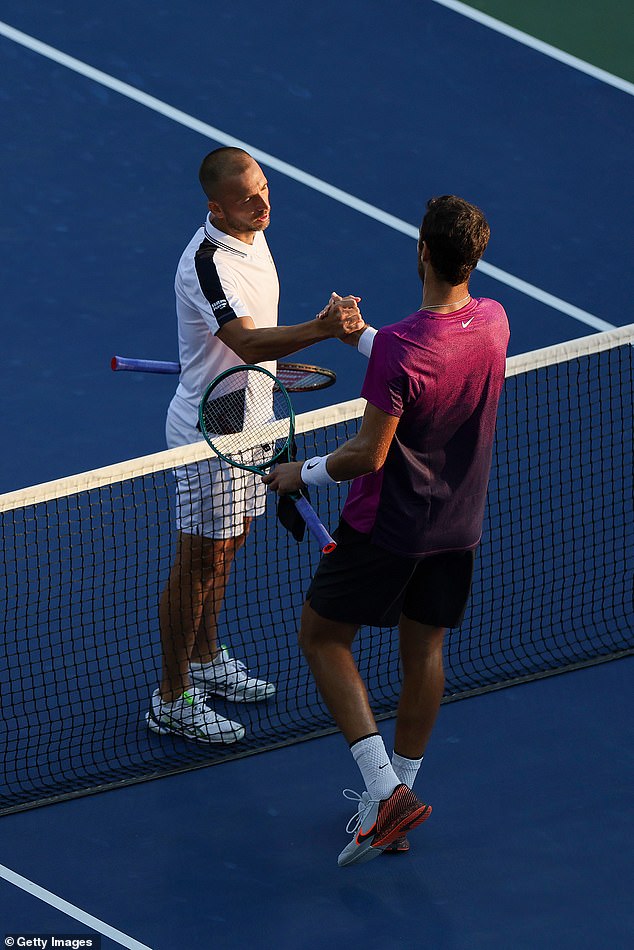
(358, 114)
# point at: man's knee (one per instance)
(419, 641)
(317, 633)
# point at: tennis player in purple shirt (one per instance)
(413, 517)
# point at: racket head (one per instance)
(246, 417)
(304, 378)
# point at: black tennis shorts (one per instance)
(362, 583)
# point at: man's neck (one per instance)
(439, 295)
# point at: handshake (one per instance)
(344, 318)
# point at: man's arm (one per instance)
(364, 453)
(255, 344)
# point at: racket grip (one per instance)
(131, 365)
(314, 525)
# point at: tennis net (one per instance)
(85, 560)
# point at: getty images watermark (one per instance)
(48, 941)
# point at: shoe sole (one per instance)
(400, 846)
(223, 739)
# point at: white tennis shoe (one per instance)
(191, 717)
(227, 677)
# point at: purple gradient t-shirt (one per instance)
(442, 375)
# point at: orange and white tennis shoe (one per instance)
(377, 825)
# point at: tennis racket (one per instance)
(295, 377)
(247, 418)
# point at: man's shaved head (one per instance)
(220, 164)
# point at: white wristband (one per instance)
(314, 471)
(366, 340)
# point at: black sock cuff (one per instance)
(362, 738)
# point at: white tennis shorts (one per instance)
(213, 498)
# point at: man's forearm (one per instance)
(270, 343)
(356, 457)
(255, 344)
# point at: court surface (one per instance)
(358, 114)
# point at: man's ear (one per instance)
(215, 209)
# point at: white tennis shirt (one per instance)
(219, 278)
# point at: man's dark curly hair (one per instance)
(456, 234)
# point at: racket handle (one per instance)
(143, 366)
(314, 525)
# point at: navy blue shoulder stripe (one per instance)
(210, 283)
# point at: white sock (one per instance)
(406, 769)
(373, 761)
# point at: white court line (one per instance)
(70, 910)
(527, 40)
(290, 171)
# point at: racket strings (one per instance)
(245, 413)
(301, 377)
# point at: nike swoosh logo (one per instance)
(362, 835)
(466, 323)
(309, 466)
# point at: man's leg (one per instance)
(326, 644)
(327, 647)
(177, 707)
(422, 687)
(438, 591)
(216, 575)
(387, 809)
(212, 668)
(190, 603)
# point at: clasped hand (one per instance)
(343, 314)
